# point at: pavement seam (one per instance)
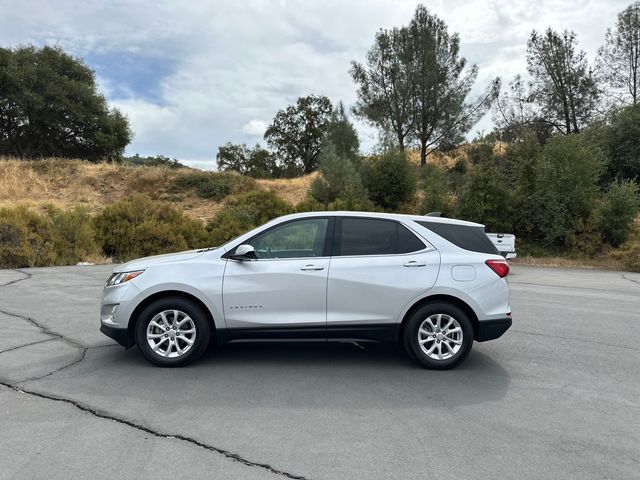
(576, 339)
(626, 292)
(27, 276)
(26, 345)
(96, 413)
(630, 279)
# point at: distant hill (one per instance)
(64, 183)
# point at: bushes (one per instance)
(622, 143)
(140, 226)
(74, 239)
(31, 239)
(338, 179)
(389, 178)
(617, 211)
(435, 186)
(244, 212)
(26, 239)
(212, 185)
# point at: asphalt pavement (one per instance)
(558, 396)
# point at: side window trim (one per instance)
(337, 233)
(326, 249)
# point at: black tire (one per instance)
(412, 327)
(200, 322)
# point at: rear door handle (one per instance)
(414, 263)
(312, 267)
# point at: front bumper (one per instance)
(120, 335)
(492, 329)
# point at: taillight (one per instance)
(500, 267)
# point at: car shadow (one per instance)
(334, 375)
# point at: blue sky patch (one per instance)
(130, 75)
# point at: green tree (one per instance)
(515, 114)
(296, 134)
(486, 190)
(621, 140)
(390, 179)
(619, 58)
(441, 83)
(50, 106)
(436, 190)
(254, 162)
(385, 84)
(562, 84)
(618, 210)
(342, 134)
(338, 179)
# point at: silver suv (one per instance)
(433, 284)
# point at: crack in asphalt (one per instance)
(26, 345)
(105, 415)
(44, 330)
(577, 288)
(576, 339)
(156, 433)
(630, 279)
(27, 276)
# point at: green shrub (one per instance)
(617, 211)
(213, 185)
(435, 187)
(389, 178)
(555, 188)
(243, 212)
(140, 226)
(338, 179)
(485, 196)
(622, 143)
(26, 239)
(74, 239)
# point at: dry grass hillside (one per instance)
(65, 183)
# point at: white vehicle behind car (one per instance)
(505, 243)
(431, 284)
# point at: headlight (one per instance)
(121, 277)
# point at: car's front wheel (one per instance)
(172, 332)
(438, 335)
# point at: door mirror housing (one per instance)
(244, 253)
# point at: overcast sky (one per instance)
(193, 75)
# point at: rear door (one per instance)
(377, 267)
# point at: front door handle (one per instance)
(312, 267)
(414, 263)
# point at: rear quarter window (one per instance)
(467, 237)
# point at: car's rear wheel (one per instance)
(172, 332)
(438, 335)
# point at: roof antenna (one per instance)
(434, 214)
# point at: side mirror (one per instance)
(243, 253)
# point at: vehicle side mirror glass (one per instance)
(244, 252)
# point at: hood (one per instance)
(142, 263)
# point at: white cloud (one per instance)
(255, 127)
(234, 64)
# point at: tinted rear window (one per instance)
(364, 236)
(463, 236)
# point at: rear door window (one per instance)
(463, 236)
(369, 236)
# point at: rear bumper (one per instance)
(120, 335)
(492, 329)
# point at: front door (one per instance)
(283, 292)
